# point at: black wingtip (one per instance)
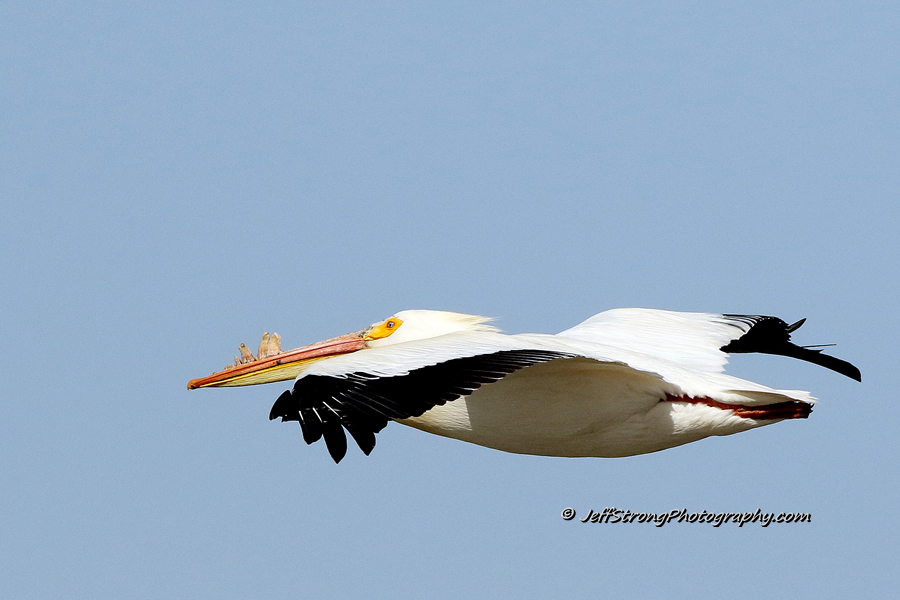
(312, 431)
(816, 356)
(335, 440)
(795, 326)
(282, 406)
(830, 362)
(364, 438)
(771, 335)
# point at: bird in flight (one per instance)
(624, 382)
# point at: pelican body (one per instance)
(621, 383)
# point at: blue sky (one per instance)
(178, 179)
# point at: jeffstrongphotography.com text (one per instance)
(613, 515)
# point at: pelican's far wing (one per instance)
(699, 341)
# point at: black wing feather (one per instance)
(363, 404)
(771, 335)
(335, 439)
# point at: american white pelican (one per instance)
(624, 382)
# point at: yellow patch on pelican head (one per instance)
(382, 330)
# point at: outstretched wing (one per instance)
(363, 403)
(700, 341)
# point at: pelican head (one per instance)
(411, 325)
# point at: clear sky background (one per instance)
(177, 178)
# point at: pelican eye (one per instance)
(383, 329)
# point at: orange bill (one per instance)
(281, 366)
